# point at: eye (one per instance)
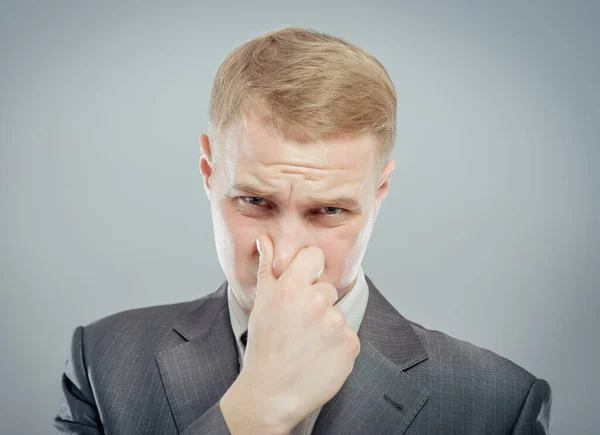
(257, 201)
(251, 200)
(332, 211)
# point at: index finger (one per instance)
(307, 266)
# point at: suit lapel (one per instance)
(198, 372)
(378, 396)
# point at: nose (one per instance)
(288, 236)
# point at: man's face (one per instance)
(325, 194)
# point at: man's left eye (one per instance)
(332, 211)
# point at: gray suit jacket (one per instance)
(162, 370)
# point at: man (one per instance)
(298, 340)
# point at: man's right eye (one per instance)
(251, 200)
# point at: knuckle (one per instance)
(333, 292)
(337, 318)
(319, 302)
(353, 343)
(328, 290)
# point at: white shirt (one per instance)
(353, 304)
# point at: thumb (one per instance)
(265, 265)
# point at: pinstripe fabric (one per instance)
(162, 370)
(353, 304)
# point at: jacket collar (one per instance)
(197, 372)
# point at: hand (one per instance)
(300, 348)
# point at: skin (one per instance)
(292, 201)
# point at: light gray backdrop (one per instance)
(493, 211)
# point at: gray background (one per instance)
(493, 210)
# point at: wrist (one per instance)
(245, 412)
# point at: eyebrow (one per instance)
(247, 189)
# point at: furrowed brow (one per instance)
(343, 202)
(247, 189)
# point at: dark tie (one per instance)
(244, 339)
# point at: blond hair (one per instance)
(308, 86)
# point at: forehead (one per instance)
(249, 146)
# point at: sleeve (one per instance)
(534, 418)
(78, 414)
(211, 422)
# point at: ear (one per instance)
(384, 183)
(206, 163)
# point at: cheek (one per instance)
(344, 248)
(235, 234)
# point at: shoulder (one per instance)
(484, 372)
(146, 329)
(441, 347)
(156, 316)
